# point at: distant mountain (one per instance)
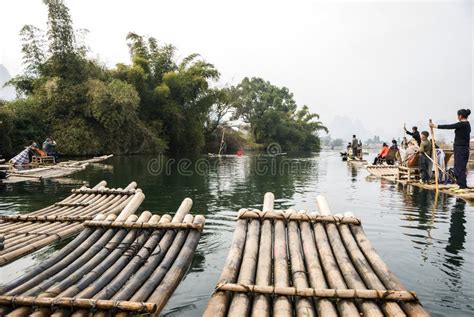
(8, 92)
(344, 127)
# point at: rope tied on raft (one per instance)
(295, 216)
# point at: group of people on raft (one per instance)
(421, 144)
(25, 157)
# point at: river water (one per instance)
(428, 245)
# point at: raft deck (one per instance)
(21, 234)
(288, 263)
(120, 266)
(56, 171)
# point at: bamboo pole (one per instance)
(176, 273)
(219, 302)
(159, 273)
(304, 306)
(324, 307)
(56, 257)
(96, 279)
(370, 294)
(365, 270)
(435, 156)
(27, 218)
(105, 191)
(331, 270)
(105, 289)
(261, 303)
(282, 306)
(146, 225)
(350, 274)
(155, 258)
(240, 304)
(78, 303)
(385, 275)
(288, 216)
(132, 206)
(73, 272)
(75, 259)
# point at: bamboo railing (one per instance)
(290, 263)
(23, 234)
(118, 265)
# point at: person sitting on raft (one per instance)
(424, 159)
(415, 134)
(382, 154)
(462, 131)
(49, 147)
(24, 157)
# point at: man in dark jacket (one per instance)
(415, 134)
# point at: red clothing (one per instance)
(384, 151)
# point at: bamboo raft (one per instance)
(452, 190)
(59, 170)
(23, 234)
(287, 263)
(386, 171)
(356, 161)
(118, 265)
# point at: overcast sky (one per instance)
(382, 63)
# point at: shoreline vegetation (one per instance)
(155, 104)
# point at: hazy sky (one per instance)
(380, 62)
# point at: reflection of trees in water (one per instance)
(430, 209)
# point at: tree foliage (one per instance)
(274, 116)
(156, 102)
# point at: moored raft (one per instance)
(287, 263)
(385, 171)
(56, 171)
(118, 265)
(21, 234)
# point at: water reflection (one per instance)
(424, 238)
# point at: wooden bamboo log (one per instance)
(132, 206)
(365, 270)
(80, 255)
(56, 257)
(369, 294)
(331, 270)
(288, 216)
(136, 225)
(219, 302)
(159, 273)
(96, 279)
(261, 303)
(282, 306)
(298, 270)
(72, 273)
(350, 274)
(240, 304)
(176, 273)
(106, 289)
(156, 257)
(324, 307)
(383, 272)
(77, 303)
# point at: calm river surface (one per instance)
(429, 247)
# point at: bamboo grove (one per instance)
(155, 103)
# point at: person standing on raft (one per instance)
(415, 134)
(462, 132)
